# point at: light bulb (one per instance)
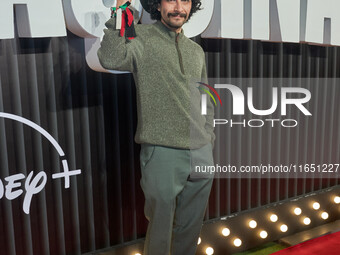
(337, 200)
(316, 206)
(306, 221)
(209, 251)
(252, 224)
(237, 242)
(226, 232)
(297, 211)
(199, 241)
(324, 215)
(263, 234)
(284, 228)
(273, 218)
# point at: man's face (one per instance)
(174, 12)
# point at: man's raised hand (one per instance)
(121, 2)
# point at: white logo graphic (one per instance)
(238, 107)
(32, 186)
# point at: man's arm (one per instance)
(209, 124)
(116, 52)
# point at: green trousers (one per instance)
(175, 198)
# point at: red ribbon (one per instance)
(130, 16)
(130, 20)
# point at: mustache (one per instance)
(183, 15)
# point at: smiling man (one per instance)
(173, 134)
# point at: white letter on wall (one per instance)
(200, 20)
(239, 19)
(285, 21)
(317, 13)
(227, 21)
(260, 19)
(35, 18)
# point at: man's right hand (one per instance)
(121, 2)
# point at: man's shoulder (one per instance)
(149, 28)
(143, 29)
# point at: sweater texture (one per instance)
(166, 67)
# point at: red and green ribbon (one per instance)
(127, 27)
(123, 7)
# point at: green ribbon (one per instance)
(124, 6)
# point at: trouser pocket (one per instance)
(146, 154)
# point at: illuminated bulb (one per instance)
(225, 231)
(306, 221)
(316, 206)
(209, 251)
(237, 242)
(273, 218)
(199, 241)
(297, 211)
(324, 215)
(263, 234)
(337, 200)
(138, 254)
(252, 224)
(284, 228)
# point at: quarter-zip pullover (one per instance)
(166, 67)
(179, 54)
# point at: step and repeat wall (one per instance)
(69, 167)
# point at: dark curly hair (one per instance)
(156, 15)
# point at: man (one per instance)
(173, 134)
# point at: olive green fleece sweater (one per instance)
(166, 67)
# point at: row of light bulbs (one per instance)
(273, 218)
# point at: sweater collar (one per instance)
(167, 31)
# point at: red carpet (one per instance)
(323, 245)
